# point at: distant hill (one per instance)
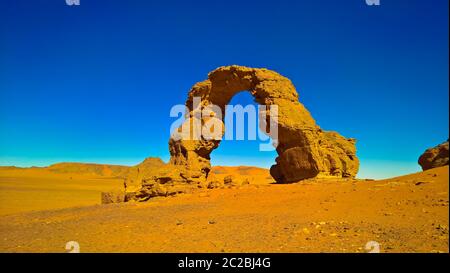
(119, 171)
(68, 169)
(242, 170)
(89, 169)
(254, 175)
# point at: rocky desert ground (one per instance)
(44, 208)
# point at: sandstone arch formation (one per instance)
(304, 149)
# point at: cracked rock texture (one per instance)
(434, 157)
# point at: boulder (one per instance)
(434, 157)
(163, 180)
(214, 184)
(112, 197)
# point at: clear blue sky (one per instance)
(95, 83)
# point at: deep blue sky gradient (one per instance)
(95, 83)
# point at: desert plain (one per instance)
(41, 209)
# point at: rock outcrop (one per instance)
(153, 178)
(304, 149)
(435, 157)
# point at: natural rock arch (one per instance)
(304, 149)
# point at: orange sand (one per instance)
(403, 214)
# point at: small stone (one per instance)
(442, 227)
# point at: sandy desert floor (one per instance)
(403, 214)
(23, 190)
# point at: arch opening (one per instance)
(245, 144)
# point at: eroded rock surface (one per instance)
(435, 157)
(304, 149)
